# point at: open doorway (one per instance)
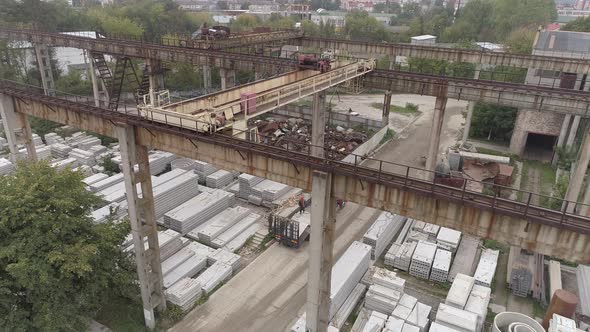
(540, 147)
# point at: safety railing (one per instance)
(533, 207)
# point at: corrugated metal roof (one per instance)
(563, 41)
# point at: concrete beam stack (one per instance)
(170, 242)
(59, 150)
(361, 320)
(422, 259)
(83, 157)
(214, 276)
(184, 293)
(456, 319)
(436, 327)
(394, 324)
(240, 240)
(113, 210)
(5, 166)
(270, 190)
(36, 139)
(347, 272)
(382, 231)
(465, 257)
(241, 226)
(441, 266)
(382, 299)
(219, 179)
(53, 138)
(201, 249)
(402, 312)
(348, 306)
(376, 322)
(108, 182)
(486, 269)
(43, 152)
(432, 231)
(478, 302)
(174, 193)
(88, 142)
(97, 150)
(3, 142)
(403, 257)
(246, 182)
(389, 259)
(183, 163)
(94, 178)
(222, 222)
(419, 316)
(66, 163)
(186, 269)
(176, 259)
(583, 278)
(448, 239)
(460, 290)
(204, 169)
(185, 217)
(389, 279)
(225, 257)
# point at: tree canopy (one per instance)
(492, 122)
(581, 24)
(56, 266)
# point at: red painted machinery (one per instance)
(313, 62)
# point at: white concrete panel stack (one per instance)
(389, 259)
(83, 157)
(456, 319)
(246, 182)
(422, 259)
(43, 152)
(66, 163)
(225, 257)
(241, 226)
(394, 324)
(419, 316)
(201, 249)
(465, 257)
(410, 328)
(53, 138)
(432, 231)
(396, 246)
(408, 301)
(558, 323)
(175, 192)
(381, 233)
(112, 210)
(97, 150)
(222, 222)
(204, 169)
(108, 182)
(84, 170)
(376, 322)
(402, 312)
(186, 269)
(382, 299)
(347, 272)
(5, 166)
(270, 190)
(441, 266)
(436, 327)
(94, 178)
(184, 293)
(361, 320)
(416, 232)
(219, 179)
(183, 163)
(389, 279)
(87, 143)
(240, 240)
(478, 302)
(176, 259)
(348, 306)
(59, 150)
(554, 277)
(460, 290)
(403, 257)
(37, 139)
(213, 276)
(448, 239)
(159, 161)
(185, 217)
(486, 269)
(583, 278)
(3, 141)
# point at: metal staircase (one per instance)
(144, 85)
(114, 81)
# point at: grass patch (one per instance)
(495, 245)
(122, 314)
(409, 109)
(387, 137)
(538, 310)
(265, 241)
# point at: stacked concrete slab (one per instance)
(432, 231)
(183, 163)
(83, 157)
(376, 322)
(246, 182)
(3, 142)
(97, 150)
(185, 217)
(53, 138)
(422, 259)
(456, 319)
(347, 272)
(348, 306)
(226, 257)
(222, 222)
(65, 163)
(448, 239)
(486, 269)
(94, 178)
(239, 227)
(396, 246)
(204, 169)
(441, 266)
(382, 232)
(465, 258)
(403, 257)
(112, 210)
(393, 324)
(184, 293)
(188, 268)
(37, 139)
(5, 166)
(105, 183)
(382, 299)
(43, 152)
(87, 143)
(460, 290)
(419, 316)
(558, 323)
(583, 278)
(219, 179)
(240, 240)
(214, 276)
(269, 190)
(478, 302)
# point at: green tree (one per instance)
(360, 26)
(473, 22)
(244, 23)
(310, 29)
(521, 41)
(492, 122)
(581, 24)
(56, 266)
(73, 83)
(510, 15)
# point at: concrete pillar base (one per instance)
(44, 64)
(318, 124)
(17, 130)
(386, 107)
(207, 82)
(437, 123)
(228, 78)
(575, 185)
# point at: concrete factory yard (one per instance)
(268, 293)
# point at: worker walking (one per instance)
(301, 204)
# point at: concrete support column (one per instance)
(143, 223)
(228, 78)
(17, 129)
(562, 134)
(320, 253)
(573, 132)
(386, 106)
(575, 185)
(44, 64)
(257, 75)
(470, 108)
(437, 122)
(207, 84)
(95, 91)
(318, 124)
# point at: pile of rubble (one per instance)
(295, 134)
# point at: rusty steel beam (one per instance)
(449, 54)
(240, 40)
(29, 99)
(518, 95)
(144, 50)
